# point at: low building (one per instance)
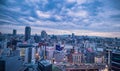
(59, 56)
(44, 65)
(85, 67)
(99, 59)
(11, 63)
(77, 57)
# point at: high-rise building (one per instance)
(43, 34)
(108, 53)
(50, 51)
(27, 33)
(27, 51)
(90, 57)
(36, 38)
(14, 32)
(73, 35)
(115, 61)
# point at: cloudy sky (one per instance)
(82, 17)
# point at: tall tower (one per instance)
(14, 32)
(27, 33)
(43, 34)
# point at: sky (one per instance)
(81, 17)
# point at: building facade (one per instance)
(77, 58)
(14, 32)
(115, 61)
(27, 33)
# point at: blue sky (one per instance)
(82, 17)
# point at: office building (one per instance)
(27, 33)
(50, 51)
(115, 61)
(14, 32)
(36, 38)
(10, 64)
(43, 34)
(58, 47)
(90, 57)
(59, 56)
(86, 67)
(99, 59)
(77, 58)
(108, 53)
(28, 52)
(44, 65)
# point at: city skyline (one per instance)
(82, 17)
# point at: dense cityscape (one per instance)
(44, 52)
(59, 35)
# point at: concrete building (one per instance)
(44, 65)
(50, 51)
(99, 59)
(28, 52)
(85, 67)
(59, 56)
(115, 61)
(36, 38)
(44, 35)
(14, 32)
(90, 57)
(77, 57)
(27, 33)
(108, 55)
(10, 63)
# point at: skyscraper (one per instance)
(43, 34)
(27, 33)
(14, 32)
(36, 38)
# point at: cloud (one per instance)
(80, 13)
(42, 14)
(58, 17)
(36, 3)
(83, 17)
(79, 1)
(31, 18)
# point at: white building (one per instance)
(77, 57)
(50, 51)
(30, 55)
(99, 59)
